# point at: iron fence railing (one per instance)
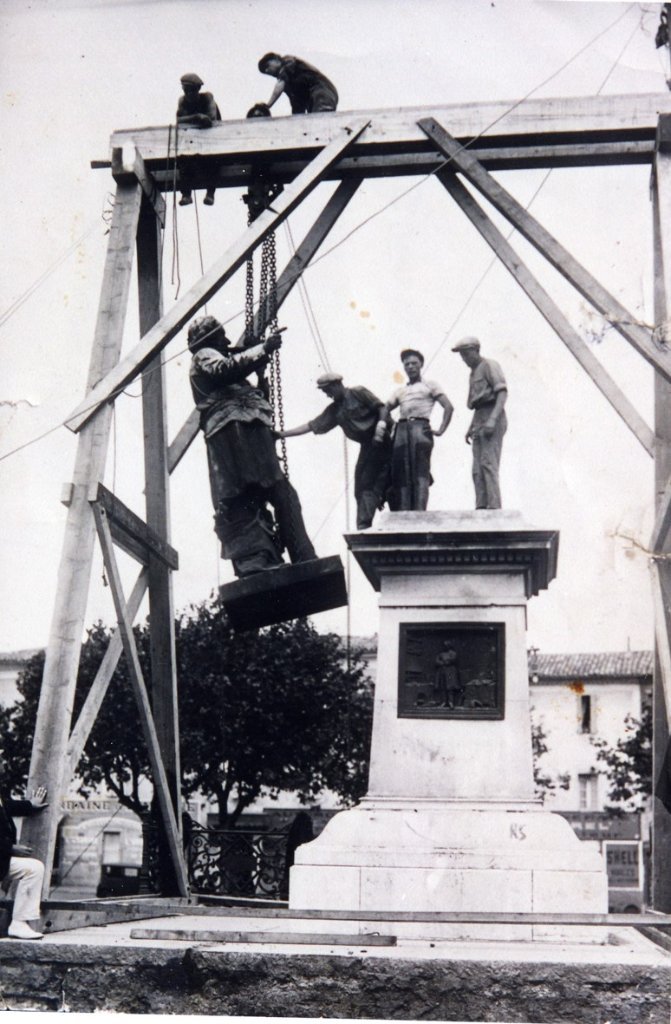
(236, 862)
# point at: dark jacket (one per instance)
(8, 810)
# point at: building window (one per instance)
(585, 713)
(588, 791)
(111, 847)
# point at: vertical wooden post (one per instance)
(48, 761)
(161, 608)
(661, 195)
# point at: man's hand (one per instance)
(38, 798)
(487, 429)
(273, 343)
(469, 435)
(380, 431)
(203, 120)
(19, 850)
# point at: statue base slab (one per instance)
(287, 592)
(424, 856)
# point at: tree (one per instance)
(628, 764)
(544, 783)
(262, 711)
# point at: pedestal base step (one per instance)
(287, 592)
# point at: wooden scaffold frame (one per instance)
(457, 144)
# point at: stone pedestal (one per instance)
(450, 822)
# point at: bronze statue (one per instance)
(357, 411)
(308, 90)
(245, 473)
(195, 109)
(487, 394)
(413, 438)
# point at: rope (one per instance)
(175, 272)
(200, 246)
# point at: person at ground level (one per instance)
(19, 867)
(307, 89)
(245, 473)
(413, 437)
(487, 394)
(195, 109)
(357, 411)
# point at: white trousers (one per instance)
(28, 873)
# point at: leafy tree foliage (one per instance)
(264, 711)
(543, 782)
(629, 763)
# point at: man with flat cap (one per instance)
(245, 473)
(487, 394)
(307, 89)
(357, 411)
(195, 109)
(413, 437)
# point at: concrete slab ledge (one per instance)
(431, 981)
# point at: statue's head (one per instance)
(206, 331)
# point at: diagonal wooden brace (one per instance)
(172, 322)
(549, 309)
(615, 313)
(137, 681)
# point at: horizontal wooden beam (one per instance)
(130, 532)
(264, 938)
(536, 121)
(558, 256)
(168, 326)
(549, 309)
(495, 158)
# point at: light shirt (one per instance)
(485, 383)
(416, 400)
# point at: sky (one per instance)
(416, 274)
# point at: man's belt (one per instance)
(415, 419)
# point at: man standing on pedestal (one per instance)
(357, 410)
(487, 394)
(413, 439)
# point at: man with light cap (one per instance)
(487, 394)
(245, 473)
(413, 437)
(195, 109)
(357, 411)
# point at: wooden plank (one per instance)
(96, 694)
(662, 609)
(548, 308)
(160, 781)
(168, 326)
(49, 761)
(267, 938)
(661, 819)
(559, 257)
(288, 278)
(125, 172)
(157, 502)
(501, 158)
(596, 118)
(660, 534)
(131, 533)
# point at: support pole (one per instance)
(549, 309)
(289, 277)
(157, 500)
(54, 713)
(661, 827)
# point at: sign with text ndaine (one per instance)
(624, 863)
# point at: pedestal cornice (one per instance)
(483, 541)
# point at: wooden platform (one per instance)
(567, 131)
(288, 592)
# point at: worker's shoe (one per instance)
(209, 199)
(22, 930)
(186, 200)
